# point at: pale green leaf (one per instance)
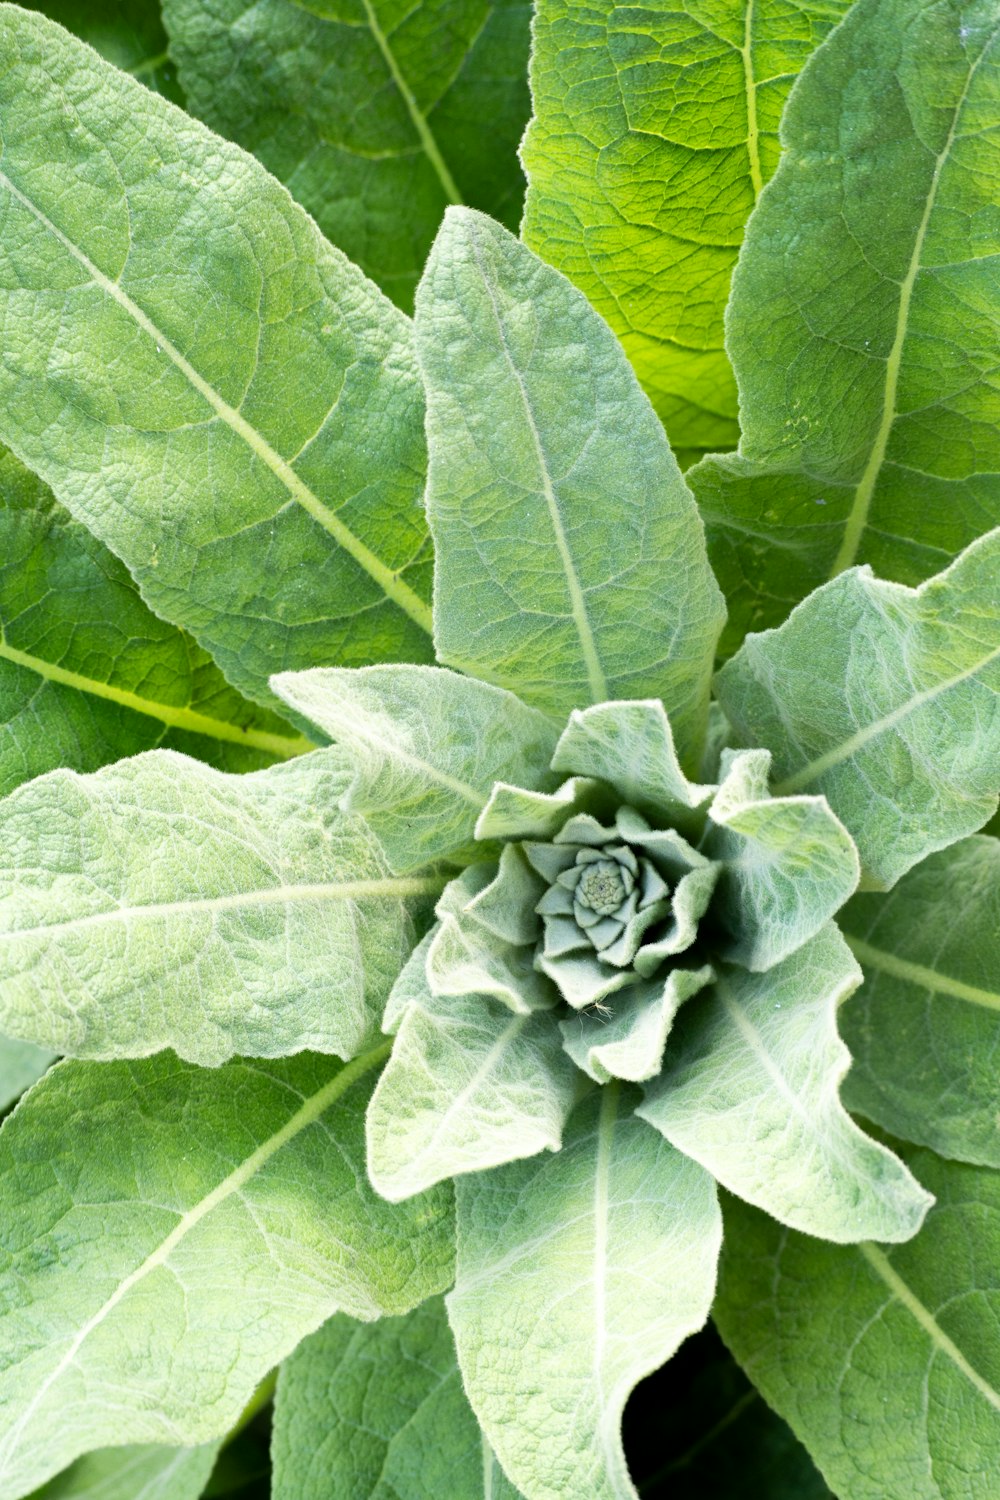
(885, 1361)
(170, 1233)
(136, 1472)
(377, 1412)
(787, 863)
(159, 903)
(513, 813)
(884, 700)
(750, 1088)
(537, 429)
(217, 393)
(88, 674)
(469, 1085)
(128, 33)
(924, 1029)
(654, 130)
(624, 1036)
(427, 746)
(578, 1274)
(21, 1065)
(376, 115)
(863, 318)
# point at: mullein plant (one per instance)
(494, 935)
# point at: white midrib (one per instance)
(391, 585)
(284, 746)
(753, 134)
(813, 769)
(595, 672)
(919, 974)
(236, 1180)
(364, 735)
(278, 895)
(861, 505)
(882, 1267)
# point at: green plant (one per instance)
(376, 977)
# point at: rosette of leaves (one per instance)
(485, 992)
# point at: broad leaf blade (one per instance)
(653, 133)
(578, 1274)
(135, 1472)
(129, 34)
(787, 863)
(884, 699)
(220, 396)
(863, 319)
(159, 903)
(537, 428)
(199, 1224)
(427, 746)
(376, 117)
(88, 674)
(883, 1360)
(750, 1088)
(377, 1412)
(924, 1030)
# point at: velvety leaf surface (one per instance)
(377, 1412)
(137, 1472)
(88, 674)
(469, 1085)
(863, 318)
(885, 700)
(884, 1360)
(654, 131)
(128, 33)
(578, 1273)
(750, 1088)
(161, 298)
(375, 115)
(159, 903)
(21, 1065)
(924, 1029)
(787, 863)
(169, 1233)
(427, 746)
(537, 428)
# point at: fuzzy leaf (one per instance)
(140, 1471)
(88, 674)
(469, 1085)
(750, 1086)
(884, 1360)
(129, 34)
(377, 1412)
(160, 297)
(537, 428)
(21, 1065)
(376, 117)
(787, 863)
(170, 1233)
(653, 133)
(885, 700)
(159, 903)
(924, 1030)
(578, 1274)
(427, 746)
(863, 317)
(625, 1036)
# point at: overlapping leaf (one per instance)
(578, 1273)
(653, 133)
(884, 1361)
(88, 674)
(887, 701)
(377, 1412)
(537, 429)
(169, 1233)
(863, 319)
(129, 34)
(140, 1471)
(924, 1030)
(160, 298)
(21, 1065)
(159, 903)
(749, 1088)
(375, 116)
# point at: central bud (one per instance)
(602, 884)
